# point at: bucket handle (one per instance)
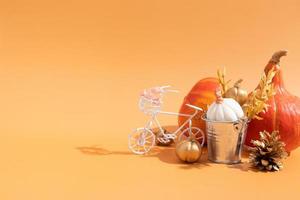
(240, 124)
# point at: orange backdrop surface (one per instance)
(70, 75)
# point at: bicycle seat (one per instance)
(194, 107)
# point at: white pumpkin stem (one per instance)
(219, 96)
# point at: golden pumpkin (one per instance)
(189, 150)
(237, 93)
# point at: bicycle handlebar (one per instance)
(165, 89)
(194, 107)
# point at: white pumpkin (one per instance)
(224, 109)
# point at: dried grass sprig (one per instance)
(222, 81)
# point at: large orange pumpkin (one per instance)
(201, 95)
(282, 115)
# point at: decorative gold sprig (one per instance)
(222, 81)
(257, 100)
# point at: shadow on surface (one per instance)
(244, 165)
(99, 151)
(166, 155)
(96, 150)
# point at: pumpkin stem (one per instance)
(219, 96)
(277, 55)
(238, 83)
(274, 64)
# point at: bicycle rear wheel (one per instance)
(141, 141)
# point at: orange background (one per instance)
(70, 75)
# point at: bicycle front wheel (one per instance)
(196, 132)
(141, 141)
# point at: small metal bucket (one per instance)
(225, 140)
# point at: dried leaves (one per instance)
(267, 152)
(257, 100)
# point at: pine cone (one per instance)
(267, 153)
(161, 140)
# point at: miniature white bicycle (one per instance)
(143, 139)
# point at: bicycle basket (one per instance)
(149, 106)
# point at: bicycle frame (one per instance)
(155, 120)
(141, 140)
